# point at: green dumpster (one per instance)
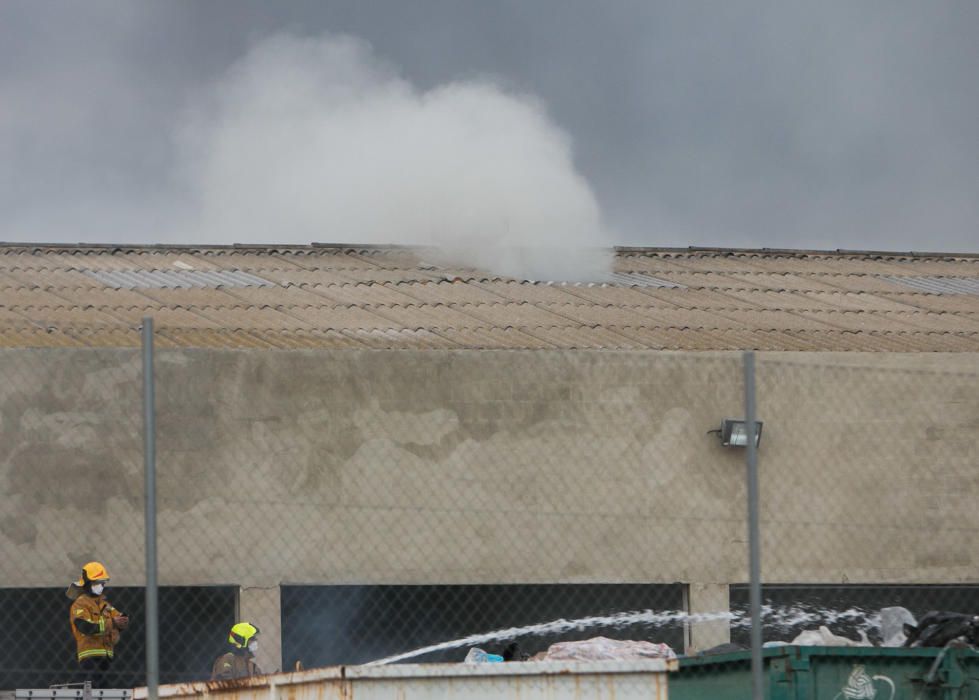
(832, 673)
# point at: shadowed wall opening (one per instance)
(323, 625)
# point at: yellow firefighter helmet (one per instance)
(241, 634)
(93, 571)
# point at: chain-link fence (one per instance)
(72, 474)
(372, 504)
(869, 473)
(357, 506)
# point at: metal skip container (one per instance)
(833, 673)
(594, 680)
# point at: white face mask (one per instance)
(97, 588)
(253, 647)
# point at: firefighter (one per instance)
(238, 662)
(94, 623)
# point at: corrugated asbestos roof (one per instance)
(393, 298)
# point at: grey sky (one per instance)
(780, 124)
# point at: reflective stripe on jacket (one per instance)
(97, 611)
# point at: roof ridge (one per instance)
(801, 252)
(6, 246)
(27, 325)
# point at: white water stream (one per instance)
(776, 619)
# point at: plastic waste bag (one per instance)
(824, 638)
(478, 656)
(936, 629)
(892, 622)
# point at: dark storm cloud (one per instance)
(735, 124)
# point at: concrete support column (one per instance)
(707, 598)
(263, 608)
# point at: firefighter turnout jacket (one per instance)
(232, 665)
(92, 624)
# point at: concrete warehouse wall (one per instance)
(497, 466)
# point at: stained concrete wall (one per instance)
(498, 466)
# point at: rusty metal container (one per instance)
(594, 680)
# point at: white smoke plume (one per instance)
(319, 140)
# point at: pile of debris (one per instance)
(594, 649)
(898, 628)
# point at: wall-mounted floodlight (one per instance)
(734, 433)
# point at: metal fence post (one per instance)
(149, 460)
(754, 544)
